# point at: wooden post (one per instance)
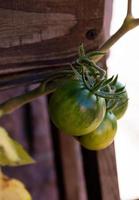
(72, 169)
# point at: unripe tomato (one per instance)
(121, 103)
(103, 136)
(75, 110)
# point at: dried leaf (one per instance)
(11, 152)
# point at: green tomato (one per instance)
(121, 104)
(103, 136)
(75, 110)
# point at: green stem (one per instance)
(52, 83)
(84, 79)
(18, 101)
(129, 23)
(81, 50)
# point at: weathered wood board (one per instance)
(36, 35)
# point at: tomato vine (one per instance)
(90, 82)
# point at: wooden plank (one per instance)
(92, 175)
(44, 184)
(35, 35)
(108, 174)
(72, 169)
(39, 35)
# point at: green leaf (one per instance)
(114, 81)
(119, 93)
(121, 89)
(107, 95)
(11, 152)
(94, 53)
(111, 104)
(97, 86)
(90, 79)
(84, 60)
(84, 75)
(81, 50)
(107, 81)
(76, 73)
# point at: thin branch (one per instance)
(18, 101)
(129, 8)
(136, 22)
(112, 40)
(128, 24)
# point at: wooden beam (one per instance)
(42, 35)
(72, 168)
(108, 174)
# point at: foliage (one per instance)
(11, 152)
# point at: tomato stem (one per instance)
(81, 50)
(129, 23)
(18, 101)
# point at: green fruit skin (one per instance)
(122, 103)
(75, 110)
(103, 136)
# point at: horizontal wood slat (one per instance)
(36, 35)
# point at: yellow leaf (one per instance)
(12, 189)
(11, 152)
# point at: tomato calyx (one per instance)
(119, 92)
(88, 103)
(94, 77)
(118, 105)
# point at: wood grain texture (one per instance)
(108, 174)
(72, 169)
(37, 35)
(21, 28)
(45, 180)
